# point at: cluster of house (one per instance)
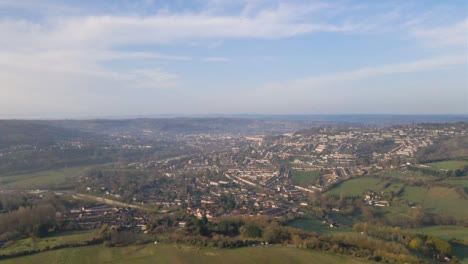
(372, 198)
(247, 169)
(96, 216)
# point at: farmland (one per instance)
(42, 179)
(180, 254)
(449, 164)
(45, 179)
(446, 232)
(357, 186)
(457, 182)
(438, 200)
(30, 244)
(304, 178)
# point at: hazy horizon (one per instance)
(311, 117)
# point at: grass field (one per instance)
(462, 253)
(446, 232)
(304, 178)
(42, 179)
(438, 200)
(405, 174)
(457, 182)
(314, 224)
(449, 164)
(180, 254)
(52, 241)
(46, 179)
(357, 186)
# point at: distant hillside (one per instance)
(170, 126)
(19, 132)
(445, 149)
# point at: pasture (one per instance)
(180, 254)
(357, 186)
(462, 181)
(42, 179)
(446, 232)
(438, 200)
(448, 164)
(29, 244)
(304, 178)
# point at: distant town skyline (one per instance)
(74, 59)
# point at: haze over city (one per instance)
(71, 59)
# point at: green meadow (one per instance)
(304, 178)
(438, 200)
(446, 232)
(41, 179)
(449, 164)
(46, 179)
(462, 181)
(30, 244)
(180, 254)
(357, 186)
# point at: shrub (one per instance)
(253, 231)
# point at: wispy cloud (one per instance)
(453, 35)
(216, 59)
(322, 81)
(78, 44)
(285, 20)
(354, 91)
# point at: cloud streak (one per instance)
(453, 35)
(216, 59)
(327, 80)
(112, 31)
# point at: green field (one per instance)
(462, 253)
(449, 164)
(457, 182)
(446, 232)
(42, 179)
(52, 241)
(304, 178)
(438, 200)
(357, 186)
(314, 224)
(180, 254)
(405, 174)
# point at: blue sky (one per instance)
(144, 57)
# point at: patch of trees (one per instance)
(13, 201)
(379, 146)
(444, 149)
(240, 231)
(253, 231)
(428, 245)
(32, 217)
(26, 222)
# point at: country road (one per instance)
(80, 196)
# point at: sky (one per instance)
(88, 58)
